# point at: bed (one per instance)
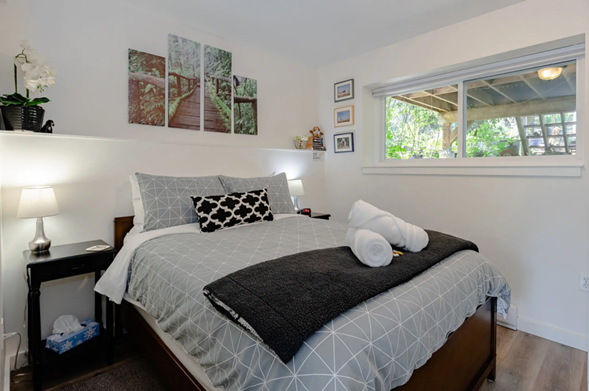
(449, 347)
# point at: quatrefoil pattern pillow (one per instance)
(223, 211)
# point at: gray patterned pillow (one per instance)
(277, 186)
(166, 199)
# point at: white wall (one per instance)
(90, 178)
(533, 229)
(87, 41)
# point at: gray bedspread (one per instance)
(374, 346)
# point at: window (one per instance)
(416, 127)
(522, 107)
(521, 114)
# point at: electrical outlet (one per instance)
(584, 282)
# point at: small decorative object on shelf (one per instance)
(300, 142)
(22, 112)
(317, 139)
(48, 127)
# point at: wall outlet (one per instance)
(584, 282)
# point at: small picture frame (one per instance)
(343, 142)
(343, 116)
(344, 90)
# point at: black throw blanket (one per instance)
(286, 300)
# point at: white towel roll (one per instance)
(371, 248)
(395, 230)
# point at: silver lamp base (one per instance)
(296, 203)
(40, 243)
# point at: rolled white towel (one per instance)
(371, 248)
(395, 230)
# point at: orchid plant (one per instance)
(38, 76)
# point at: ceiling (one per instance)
(319, 32)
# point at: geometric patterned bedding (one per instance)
(374, 346)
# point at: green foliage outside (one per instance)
(412, 131)
(415, 132)
(491, 137)
(245, 120)
(147, 101)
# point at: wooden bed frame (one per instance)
(462, 364)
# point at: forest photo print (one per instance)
(147, 88)
(183, 83)
(245, 105)
(217, 67)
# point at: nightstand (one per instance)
(61, 262)
(322, 216)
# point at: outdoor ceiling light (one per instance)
(549, 73)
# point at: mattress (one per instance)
(374, 346)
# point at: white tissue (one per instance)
(66, 325)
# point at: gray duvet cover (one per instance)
(374, 346)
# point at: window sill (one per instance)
(479, 167)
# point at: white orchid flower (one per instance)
(27, 67)
(31, 85)
(31, 74)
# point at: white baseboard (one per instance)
(564, 337)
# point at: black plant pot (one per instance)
(23, 117)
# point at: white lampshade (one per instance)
(37, 201)
(296, 188)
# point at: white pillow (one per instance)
(138, 220)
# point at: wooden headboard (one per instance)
(122, 226)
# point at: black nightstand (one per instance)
(61, 262)
(322, 216)
(317, 215)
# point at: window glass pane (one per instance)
(422, 124)
(571, 129)
(522, 114)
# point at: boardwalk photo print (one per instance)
(147, 89)
(217, 69)
(183, 83)
(245, 105)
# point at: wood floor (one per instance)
(524, 363)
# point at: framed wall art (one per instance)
(344, 90)
(343, 116)
(343, 142)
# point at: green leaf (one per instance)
(37, 101)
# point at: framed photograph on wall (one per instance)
(343, 142)
(344, 90)
(343, 116)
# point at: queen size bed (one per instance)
(434, 332)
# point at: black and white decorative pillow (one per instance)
(223, 211)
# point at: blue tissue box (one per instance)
(61, 344)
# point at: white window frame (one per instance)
(558, 165)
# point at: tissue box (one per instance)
(61, 344)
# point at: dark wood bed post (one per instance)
(463, 363)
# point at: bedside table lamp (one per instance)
(38, 202)
(296, 189)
